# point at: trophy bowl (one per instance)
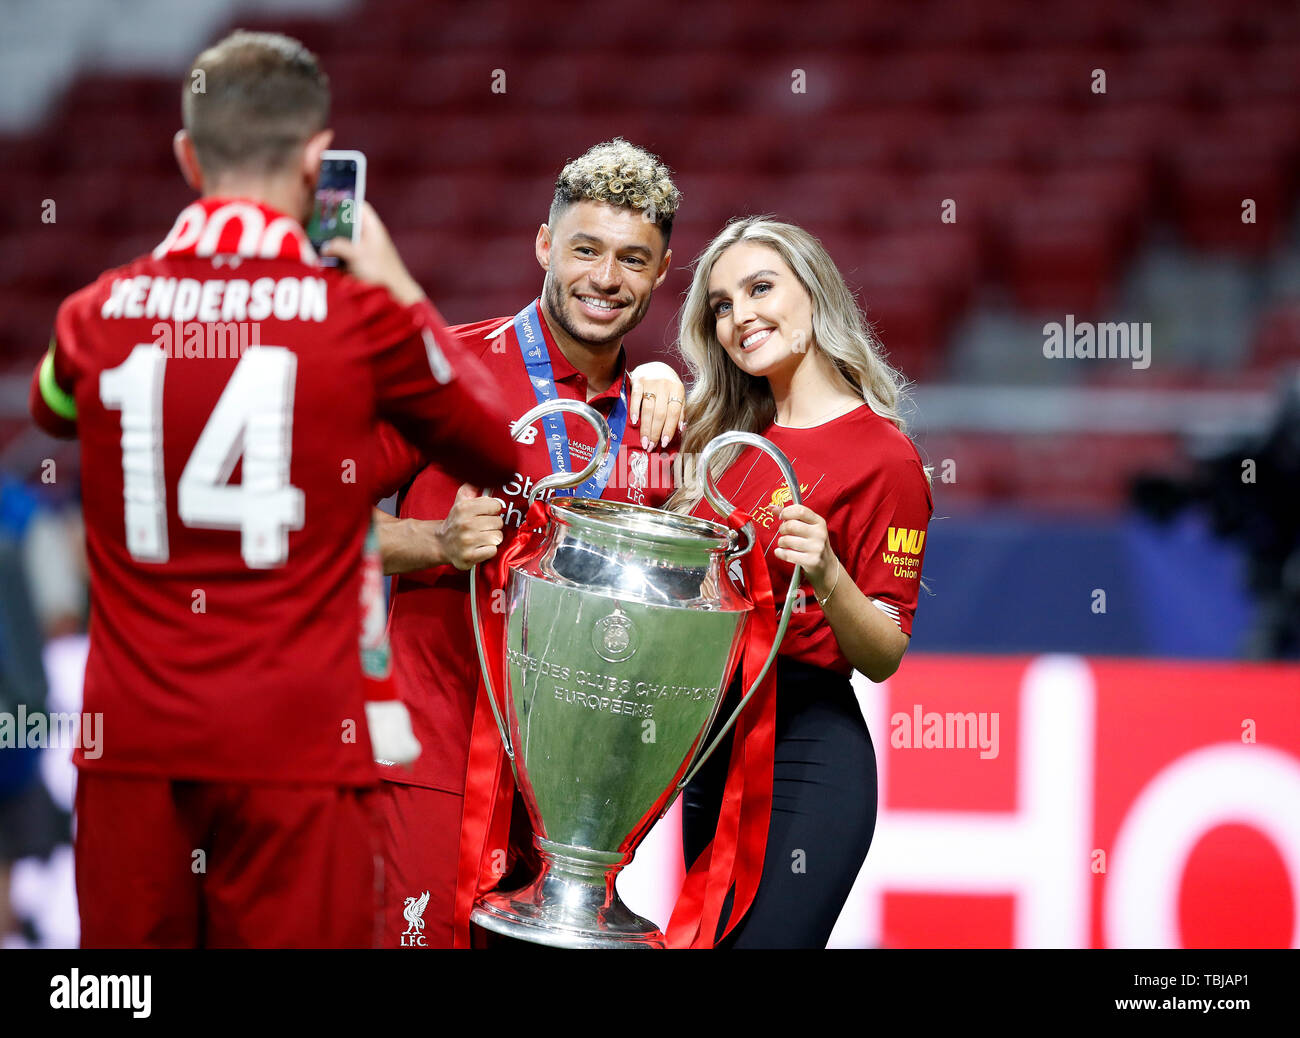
(622, 630)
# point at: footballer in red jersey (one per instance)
(604, 250)
(225, 390)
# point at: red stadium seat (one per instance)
(830, 199)
(1277, 339)
(129, 143)
(149, 204)
(84, 200)
(104, 97)
(44, 258)
(461, 263)
(1119, 191)
(1063, 23)
(710, 200)
(743, 144)
(902, 290)
(1061, 252)
(1204, 24)
(952, 23)
(28, 322)
(873, 138)
(26, 192)
(925, 77)
(1215, 174)
(476, 142)
(1003, 138)
(1115, 133)
(581, 81)
(1271, 74)
(547, 142)
(1176, 75)
(365, 78)
(1053, 78)
(908, 318)
(318, 35)
(471, 202)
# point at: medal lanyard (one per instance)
(537, 359)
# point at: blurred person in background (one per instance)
(228, 804)
(776, 345)
(1249, 489)
(31, 825)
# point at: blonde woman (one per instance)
(776, 345)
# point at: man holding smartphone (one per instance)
(604, 250)
(229, 804)
(340, 193)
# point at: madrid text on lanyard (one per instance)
(532, 344)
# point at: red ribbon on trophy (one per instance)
(734, 857)
(489, 781)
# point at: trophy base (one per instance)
(566, 912)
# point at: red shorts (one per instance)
(419, 840)
(170, 864)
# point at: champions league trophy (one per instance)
(622, 628)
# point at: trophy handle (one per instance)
(555, 479)
(724, 508)
(594, 418)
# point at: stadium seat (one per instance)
(873, 138)
(1061, 253)
(1214, 176)
(1277, 339)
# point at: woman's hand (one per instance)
(658, 399)
(869, 639)
(802, 539)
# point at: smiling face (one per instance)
(602, 264)
(762, 314)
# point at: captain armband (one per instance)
(61, 403)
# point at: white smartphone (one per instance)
(339, 194)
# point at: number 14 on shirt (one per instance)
(253, 419)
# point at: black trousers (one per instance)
(823, 810)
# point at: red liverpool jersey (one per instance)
(434, 657)
(864, 477)
(225, 390)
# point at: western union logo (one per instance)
(909, 542)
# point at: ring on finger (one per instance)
(647, 396)
(676, 400)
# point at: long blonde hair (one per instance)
(723, 398)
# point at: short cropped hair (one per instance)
(252, 100)
(620, 174)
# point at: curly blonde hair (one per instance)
(619, 173)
